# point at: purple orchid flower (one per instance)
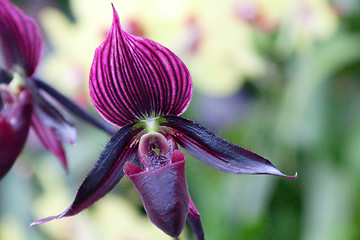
(22, 104)
(143, 88)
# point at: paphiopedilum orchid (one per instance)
(22, 104)
(143, 88)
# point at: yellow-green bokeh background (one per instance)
(278, 77)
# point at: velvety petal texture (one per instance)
(20, 39)
(164, 193)
(133, 78)
(215, 151)
(106, 173)
(15, 117)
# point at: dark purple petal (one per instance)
(49, 140)
(106, 173)
(133, 78)
(14, 127)
(5, 77)
(215, 151)
(194, 221)
(164, 193)
(51, 117)
(20, 39)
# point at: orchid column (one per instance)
(143, 88)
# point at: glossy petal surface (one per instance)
(106, 173)
(20, 39)
(134, 78)
(48, 139)
(14, 127)
(215, 151)
(164, 193)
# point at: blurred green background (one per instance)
(278, 77)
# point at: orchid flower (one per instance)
(142, 87)
(22, 104)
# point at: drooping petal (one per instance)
(48, 138)
(215, 151)
(164, 193)
(73, 108)
(194, 221)
(106, 173)
(51, 117)
(20, 39)
(14, 128)
(133, 78)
